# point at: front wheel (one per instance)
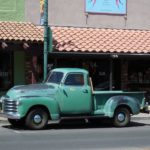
(37, 119)
(121, 117)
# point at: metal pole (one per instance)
(111, 75)
(45, 36)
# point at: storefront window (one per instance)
(99, 71)
(6, 74)
(139, 76)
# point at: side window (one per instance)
(75, 80)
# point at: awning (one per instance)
(94, 40)
(79, 40)
(19, 31)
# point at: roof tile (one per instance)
(21, 31)
(81, 39)
(102, 40)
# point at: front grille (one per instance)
(9, 106)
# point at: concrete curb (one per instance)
(3, 120)
(141, 116)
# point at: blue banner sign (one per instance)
(106, 6)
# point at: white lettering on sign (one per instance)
(3, 74)
(102, 73)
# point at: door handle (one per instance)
(85, 91)
(65, 93)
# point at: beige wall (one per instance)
(71, 13)
(32, 11)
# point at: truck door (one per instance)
(76, 95)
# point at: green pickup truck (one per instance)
(68, 93)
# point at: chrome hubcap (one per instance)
(37, 119)
(121, 117)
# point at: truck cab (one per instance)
(74, 92)
(68, 93)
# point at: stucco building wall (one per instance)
(72, 13)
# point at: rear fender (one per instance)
(121, 101)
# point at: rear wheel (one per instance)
(121, 117)
(37, 119)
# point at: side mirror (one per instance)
(61, 84)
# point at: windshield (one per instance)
(54, 77)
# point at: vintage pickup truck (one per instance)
(68, 93)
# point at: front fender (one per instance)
(50, 103)
(126, 101)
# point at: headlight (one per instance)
(18, 103)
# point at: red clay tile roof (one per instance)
(101, 40)
(71, 39)
(18, 31)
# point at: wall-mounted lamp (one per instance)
(4, 45)
(114, 56)
(26, 45)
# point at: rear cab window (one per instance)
(74, 79)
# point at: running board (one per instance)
(83, 117)
(77, 118)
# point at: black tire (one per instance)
(37, 119)
(16, 122)
(121, 117)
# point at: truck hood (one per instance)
(31, 90)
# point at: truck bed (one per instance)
(101, 97)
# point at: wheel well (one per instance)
(42, 107)
(124, 106)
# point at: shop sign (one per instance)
(106, 6)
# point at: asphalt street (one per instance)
(77, 136)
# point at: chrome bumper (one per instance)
(10, 115)
(145, 110)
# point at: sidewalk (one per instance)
(3, 120)
(140, 116)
